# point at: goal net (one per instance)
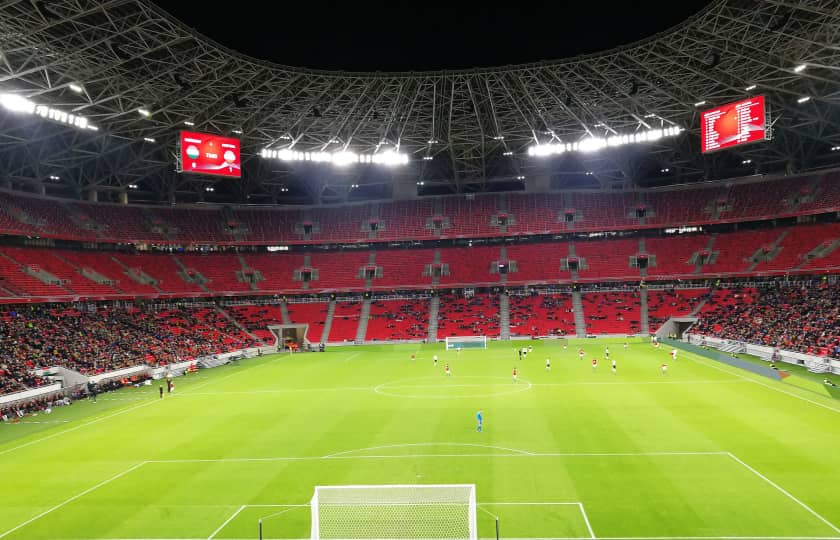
(466, 342)
(392, 512)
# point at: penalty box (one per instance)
(618, 495)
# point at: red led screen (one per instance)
(733, 124)
(203, 153)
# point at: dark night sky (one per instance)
(402, 36)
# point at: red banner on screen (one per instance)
(202, 153)
(733, 124)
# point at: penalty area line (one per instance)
(228, 520)
(73, 498)
(785, 492)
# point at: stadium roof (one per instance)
(108, 59)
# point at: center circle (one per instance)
(455, 387)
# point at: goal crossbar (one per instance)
(466, 342)
(394, 512)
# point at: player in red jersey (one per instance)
(514, 374)
(446, 369)
(594, 364)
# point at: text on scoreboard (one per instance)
(734, 124)
(203, 153)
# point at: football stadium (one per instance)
(502, 297)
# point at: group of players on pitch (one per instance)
(524, 351)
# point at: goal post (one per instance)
(466, 342)
(394, 512)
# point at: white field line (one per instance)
(702, 361)
(73, 498)
(228, 520)
(403, 456)
(412, 445)
(74, 428)
(561, 538)
(586, 520)
(785, 492)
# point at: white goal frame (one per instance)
(475, 342)
(393, 495)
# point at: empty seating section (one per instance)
(538, 263)
(345, 322)
(733, 250)
(604, 260)
(256, 319)
(467, 216)
(825, 195)
(264, 225)
(673, 254)
(314, 314)
(606, 211)
(536, 214)
(762, 200)
(612, 312)
(666, 303)
(277, 270)
(108, 268)
(52, 261)
(405, 219)
(398, 320)
(121, 222)
(163, 269)
(404, 268)
(219, 268)
(800, 249)
(43, 215)
(469, 265)
(800, 318)
(14, 279)
(340, 270)
(680, 206)
(474, 316)
(542, 315)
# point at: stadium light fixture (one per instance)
(148, 139)
(421, 183)
(209, 189)
(666, 169)
(520, 177)
(499, 138)
(800, 68)
(75, 87)
(592, 144)
(132, 186)
(19, 104)
(746, 162)
(341, 158)
(835, 148)
(700, 103)
(237, 131)
(144, 112)
(54, 177)
(188, 123)
(803, 99)
(428, 158)
(751, 87)
(508, 153)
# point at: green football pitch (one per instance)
(703, 451)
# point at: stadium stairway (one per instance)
(504, 316)
(197, 278)
(137, 275)
(434, 309)
(580, 321)
(643, 310)
(237, 324)
(284, 312)
(325, 334)
(364, 317)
